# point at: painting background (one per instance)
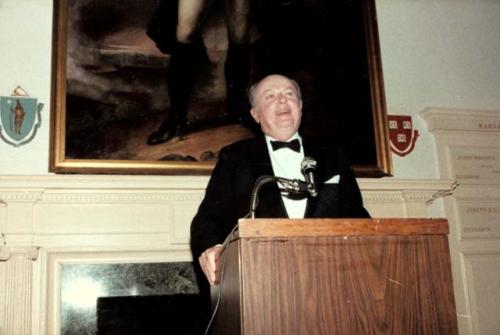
(116, 79)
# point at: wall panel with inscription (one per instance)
(472, 164)
(468, 151)
(479, 218)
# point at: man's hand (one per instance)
(210, 263)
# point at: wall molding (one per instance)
(454, 119)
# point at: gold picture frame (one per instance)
(374, 162)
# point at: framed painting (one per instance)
(117, 84)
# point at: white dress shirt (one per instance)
(286, 164)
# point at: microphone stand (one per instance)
(291, 185)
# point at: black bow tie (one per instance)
(293, 145)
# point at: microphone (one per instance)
(290, 185)
(307, 168)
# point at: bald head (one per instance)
(276, 106)
(251, 91)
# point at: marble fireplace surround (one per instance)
(48, 222)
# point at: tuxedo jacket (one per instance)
(228, 194)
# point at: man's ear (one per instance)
(255, 115)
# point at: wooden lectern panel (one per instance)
(339, 284)
(335, 227)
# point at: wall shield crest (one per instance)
(20, 118)
(402, 135)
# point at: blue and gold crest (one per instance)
(19, 117)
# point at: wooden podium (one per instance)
(337, 276)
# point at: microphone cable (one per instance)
(223, 266)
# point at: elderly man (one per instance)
(277, 107)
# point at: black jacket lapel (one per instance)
(326, 168)
(309, 150)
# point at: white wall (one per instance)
(435, 53)
(438, 53)
(25, 60)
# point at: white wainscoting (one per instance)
(49, 221)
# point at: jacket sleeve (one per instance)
(216, 215)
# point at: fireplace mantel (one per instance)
(49, 221)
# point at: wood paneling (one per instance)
(395, 284)
(229, 316)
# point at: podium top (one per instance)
(339, 227)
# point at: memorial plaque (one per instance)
(471, 164)
(480, 219)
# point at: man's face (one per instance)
(277, 107)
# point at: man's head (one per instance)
(277, 106)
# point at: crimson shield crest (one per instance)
(402, 135)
